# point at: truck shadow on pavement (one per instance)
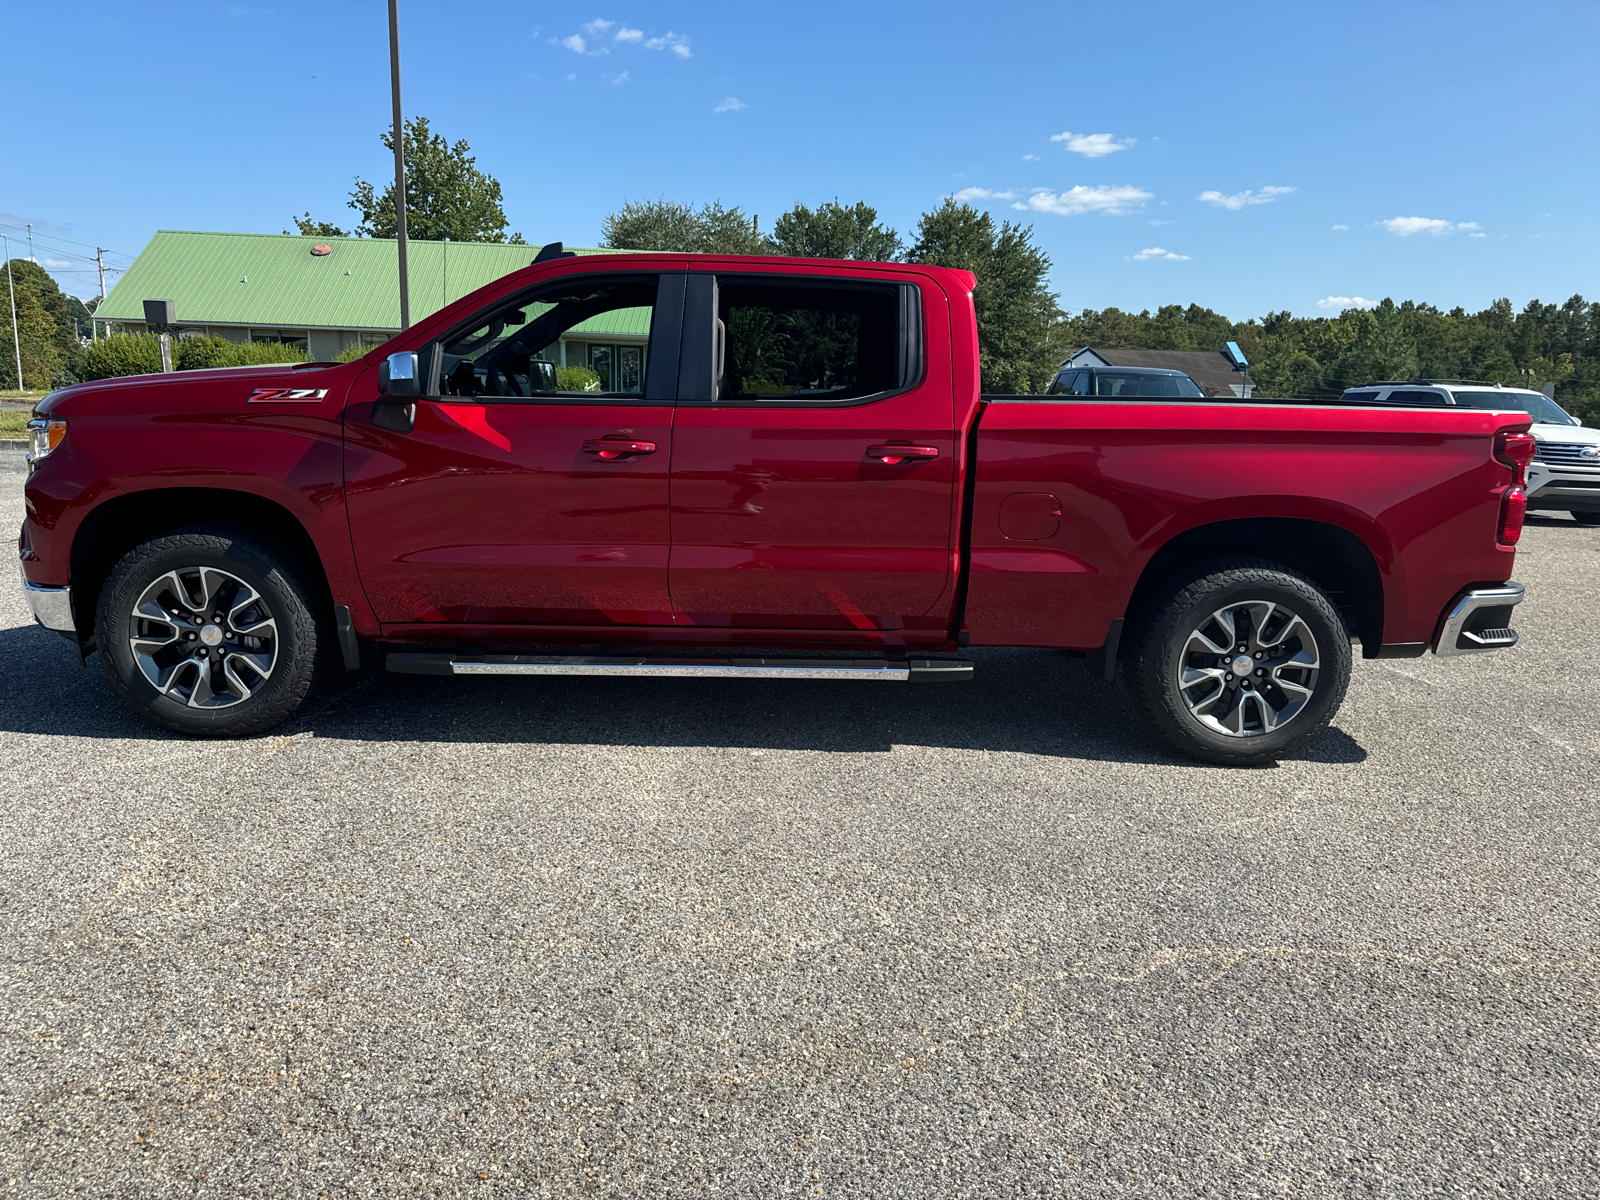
(1020, 701)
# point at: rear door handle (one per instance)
(893, 454)
(616, 447)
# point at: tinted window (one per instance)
(1540, 408)
(496, 356)
(808, 342)
(1070, 383)
(1363, 397)
(1414, 396)
(1134, 383)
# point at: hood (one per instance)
(108, 390)
(1571, 434)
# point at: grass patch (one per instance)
(14, 394)
(14, 424)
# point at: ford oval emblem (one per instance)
(1592, 452)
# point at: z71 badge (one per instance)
(286, 395)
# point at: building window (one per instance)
(287, 337)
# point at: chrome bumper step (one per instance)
(1479, 620)
(889, 670)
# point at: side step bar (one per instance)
(892, 670)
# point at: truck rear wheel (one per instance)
(1244, 664)
(208, 634)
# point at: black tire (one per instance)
(1587, 518)
(1168, 630)
(291, 655)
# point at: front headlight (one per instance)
(46, 433)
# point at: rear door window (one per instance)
(1361, 397)
(810, 341)
(1414, 396)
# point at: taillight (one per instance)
(1516, 451)
(1513, 510)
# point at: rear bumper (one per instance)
(1479, 619)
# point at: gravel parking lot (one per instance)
(662, 938)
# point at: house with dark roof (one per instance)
(1213, 371)
(324, 295)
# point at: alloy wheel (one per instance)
(203, 637)
(1249, 669)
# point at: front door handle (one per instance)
(893, 453)
(609, 448)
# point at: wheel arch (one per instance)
(119, 524)
(1337, 560)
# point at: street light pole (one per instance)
(399, 163)
(16, 339)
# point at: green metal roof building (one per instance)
(323, 295)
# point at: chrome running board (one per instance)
(889, 670)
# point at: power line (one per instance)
(69, 241)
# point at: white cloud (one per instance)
(1076, 201)
(968, 195)
(630, 35)
(1091, 145)
(1030, 158)
(1409, 226)
(1157, 254)
(1342, 228)
(1158, 221)
(617, 79)
(575, 43)
(1244, 199)
(54, 264)
(730, 104)
(596, 27)
(1340, 303)
(675, 42)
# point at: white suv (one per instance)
(1565, 473)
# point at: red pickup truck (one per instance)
(797, 477)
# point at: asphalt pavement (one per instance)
(547, 937)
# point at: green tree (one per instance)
(1383, 349)
(43, 329)
(671, 225)
(446, 195)
(309, 228)
(833, 231)
(1019, 324)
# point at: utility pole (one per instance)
(399, 163)
(31, 258)
(100, 261)
(16, 338)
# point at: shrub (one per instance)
(121, 354)
(198, 354)
(577, 379)
(350, 353)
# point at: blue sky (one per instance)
(1248, 157)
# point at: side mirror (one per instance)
(397, 377)
(542, 375)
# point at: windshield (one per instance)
(1540, 408)
(1137, 383)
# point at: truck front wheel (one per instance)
(207, 633)
(1244, 664)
